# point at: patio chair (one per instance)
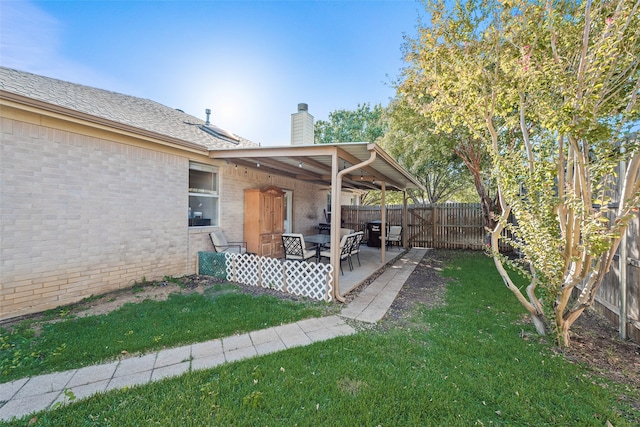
(355, 247)
(394, 236)
(295, 248)
(345, 250)
(345, 231)
(220, 244)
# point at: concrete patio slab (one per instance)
(207, 362)
(206, 348)
(92, 374)
(236, 341)
(82, 391)
(44, 384)
(264, 336)
(240, 353)
(135, 365)
(297, 340)
(8, 390)
(270, 347)
(130, 380)
(173, 356)
(288, 330)
(27, 405)
(170, 371)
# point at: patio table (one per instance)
(319, 240)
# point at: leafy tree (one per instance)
(374, 198)
(365, 124)
(407, 138)
(549, 89)
(431, 158)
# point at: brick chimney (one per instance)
(302, 126)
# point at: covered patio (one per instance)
(339, 167)
(370, 263)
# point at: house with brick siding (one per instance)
(99, 190)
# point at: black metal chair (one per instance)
(345, 250)
(355, 247)
(295, 248)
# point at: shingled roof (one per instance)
(139, 113)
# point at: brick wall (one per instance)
(308, 199)
(83, 212)
(81, 215)
(308, 202)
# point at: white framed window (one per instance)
(204, 194)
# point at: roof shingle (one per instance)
(129, 110)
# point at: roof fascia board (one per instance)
(375, 174)
(392, 162)
(62, 113)
(342, 154)
(293, 151)
(338, 149)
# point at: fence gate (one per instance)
(441, 226)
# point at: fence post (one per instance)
(405, 228)
(435, 221)
(233, 266)
(284, 276)
(622, 315)
(327, 286)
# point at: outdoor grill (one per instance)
(324, 228)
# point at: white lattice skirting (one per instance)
(308, 279)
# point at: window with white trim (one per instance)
(204, 203)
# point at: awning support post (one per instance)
(336, 215)
(383, 226)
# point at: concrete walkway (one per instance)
(27, 395)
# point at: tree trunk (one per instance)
(471, 154)
(532, 305)
(539, 324)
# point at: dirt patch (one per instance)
(595, 343)
(424, 287)
(155, 291)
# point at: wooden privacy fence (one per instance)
(461, 226)
(608, 298)
(441, 226)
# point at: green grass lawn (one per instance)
(139, 328)
(461, 364)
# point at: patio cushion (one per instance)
(344, 250)
(345, 231)
(220, 243)
(295, 248)
(346, 243)
(395, 235)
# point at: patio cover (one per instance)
(339, 166)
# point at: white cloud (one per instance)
(28, 36)
(31, 40)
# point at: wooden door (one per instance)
(278, 214)
(266, 215)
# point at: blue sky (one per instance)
(250, 62)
